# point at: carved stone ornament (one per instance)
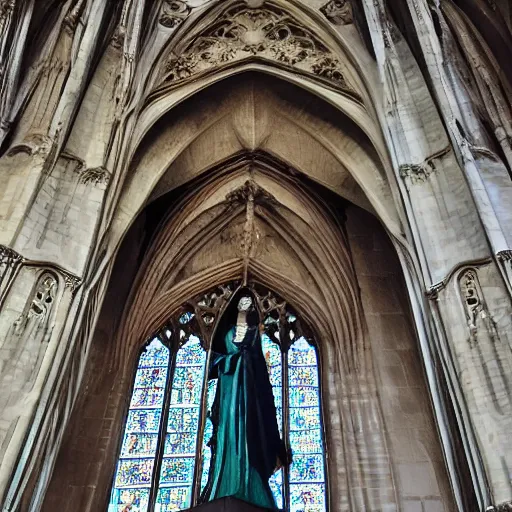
(173, 13)
(6, 7)
(251, 191)
(338, 12)
(471, 296)
(118, 37)
(43, 297)
(94, 175)
(72, 282)
(243, 32)
(10, 261)
(505, 255)
(503, 507)
(419, 173)
(477, 312)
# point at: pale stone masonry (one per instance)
(354, 156)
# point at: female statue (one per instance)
(246, 444)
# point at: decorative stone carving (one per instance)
(173, 13)
(118, 37)
(251, 191)
(72, 282)
(10, 262)
(505, 255)
(433, 292)
(207, 308)
(503, 507)
(71, 20)
(35, 144)
(338, 12)
(23, 350)
(6, 7)
(94, 175)
(269, 33)
(418, 173)
(472, 297)
(475, 306)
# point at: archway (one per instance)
(251, 220)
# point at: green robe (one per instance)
(246, 441)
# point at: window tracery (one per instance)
(166, 455)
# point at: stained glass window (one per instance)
(132, 482)
(179, 454)
(307, 479)
(166, 453)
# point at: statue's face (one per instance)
(244, 304)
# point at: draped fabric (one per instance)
(246, 442)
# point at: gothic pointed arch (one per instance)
(201, 134)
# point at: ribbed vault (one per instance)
(250, 114)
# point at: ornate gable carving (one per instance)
(173, 13)
(338, 12)
(244, 32)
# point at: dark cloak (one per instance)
(246, 442)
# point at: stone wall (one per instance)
(420, 475)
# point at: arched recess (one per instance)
(249, 113)
(248, 220)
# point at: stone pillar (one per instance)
(35, 298)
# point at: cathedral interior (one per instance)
(256, 255)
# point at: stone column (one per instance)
(35, 299)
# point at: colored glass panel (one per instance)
(172, 499)
(177, 471)
(208, 432)
(136, 444)
(307, 498)
(143, 421)
(137, 460)
(272, 354)
(302, 396)
(129, 500)
(307, 476)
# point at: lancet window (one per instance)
(167, 456)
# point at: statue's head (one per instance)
(245, 303)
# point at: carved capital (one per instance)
(433, 292)
(416, 172)
(505, 255)
(6, 8)
(71, 282)
(94, 175)
(338, 12)
(173, 13)
(419, 173)
(34, 144)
